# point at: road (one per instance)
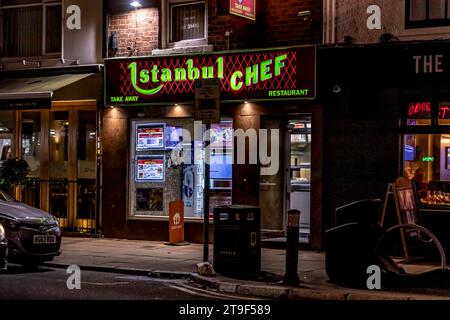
(51, 284)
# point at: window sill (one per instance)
(425, 33)
(181, 50)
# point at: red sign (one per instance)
(419, 110)
(243, 8)
(444, 111)
(176, 221)
(251, 75)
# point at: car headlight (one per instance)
(55, 220)
(2, 233)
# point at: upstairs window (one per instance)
(427, 13)
(187, 23)
(30, 28)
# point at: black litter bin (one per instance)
(237, 240)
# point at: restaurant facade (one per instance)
(153, 143)
(386, 115)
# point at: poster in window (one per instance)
(150, 168)
(149, 199)
(410, 147)
(150, 136)
(188, 189)
(174, 136)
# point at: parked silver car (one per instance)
(33, 235)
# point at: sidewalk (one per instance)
(154, 258)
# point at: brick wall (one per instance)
(277, 24)
(145, 38)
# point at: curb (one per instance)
(129, 271)
(305, 293)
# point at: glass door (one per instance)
(73, 159)
(60, 189)
(299, 179)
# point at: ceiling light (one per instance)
(136, 4)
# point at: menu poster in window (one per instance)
(222, 135)
(150, 136)
(150, 168)
(174, 136)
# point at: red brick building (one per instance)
(170, 32)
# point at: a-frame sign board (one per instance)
(407, 211)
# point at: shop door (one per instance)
(272, 187)
(72, 167)
(298, 172)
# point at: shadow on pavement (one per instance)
(18, 269)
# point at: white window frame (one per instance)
(44, 4)
(166, 25)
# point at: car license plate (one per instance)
(44, 239)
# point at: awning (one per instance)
(34, 92)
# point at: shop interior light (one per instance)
(136, 4)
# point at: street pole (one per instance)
(206, 197)
(291, 277)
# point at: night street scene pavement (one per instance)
(252, 158)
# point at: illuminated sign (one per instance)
(427, 159)
(419, 110)
(253, 75)
(444, 110)
(243, 8)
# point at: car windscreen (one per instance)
(5, 197)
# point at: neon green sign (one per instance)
(427, 159)
(251, 75)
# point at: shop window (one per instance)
(428, 156)
(31, 142)
(167, 165)
(31, 30)
(187, 23)
(7, 126)
(427, 13)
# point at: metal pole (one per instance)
(206, 199)
(291, 276)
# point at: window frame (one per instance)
(167, 25)
(427, 23)
(44, 4)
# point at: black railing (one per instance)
(75, 213)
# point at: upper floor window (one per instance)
(427, 13)
(30, 28)
(187, 23)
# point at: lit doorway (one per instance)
(60, 145)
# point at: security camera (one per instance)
(336, 89)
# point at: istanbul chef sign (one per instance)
(251, 75)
